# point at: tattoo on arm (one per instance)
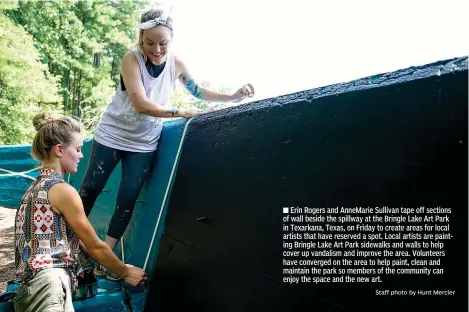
(173, 112)
(192, 87)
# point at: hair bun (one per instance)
(42, 119)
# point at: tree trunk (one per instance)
(78, 107)
(113, 67)
(72, 103)
(67, 86)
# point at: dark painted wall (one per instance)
(393, 139)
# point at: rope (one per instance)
(122, 248)
(163, 203)
(23, 174)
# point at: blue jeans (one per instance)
(135, 169)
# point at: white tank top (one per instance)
(121, 127)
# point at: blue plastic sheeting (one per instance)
(137, 297)
(15, 158)
(143, 223)
(6, 307)
(110, 297)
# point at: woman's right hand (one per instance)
(192, 112)
(134, 276)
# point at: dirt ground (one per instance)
(7, 252)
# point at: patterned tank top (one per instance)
(43, 238)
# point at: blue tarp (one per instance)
(15, 159)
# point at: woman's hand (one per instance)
(243, 92)
(192, 112)
(134, 276)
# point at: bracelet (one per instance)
(173, 112)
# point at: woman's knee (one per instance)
(87, 191)
(88, 194)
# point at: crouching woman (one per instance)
(50, 223)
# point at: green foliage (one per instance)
(8, 5)
(65, 56)
(81, 43)
(26, 87)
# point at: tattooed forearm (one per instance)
(172, 111)
(192, 87)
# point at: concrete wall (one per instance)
(393, 139)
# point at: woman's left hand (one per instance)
(243, 92)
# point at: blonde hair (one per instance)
(52, 131)
(148, 16)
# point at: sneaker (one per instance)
(99, 271)
(87, 286)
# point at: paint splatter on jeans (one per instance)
(135, 169)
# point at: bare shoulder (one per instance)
(62, 195)
(63, 188)
(177, 59)
(181, 69)
(129, 57)
(179, 64)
